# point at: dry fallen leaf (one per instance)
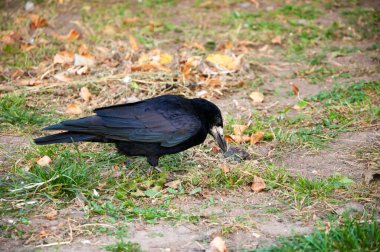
(131, 20)
(223, 60)
(44, 161)
(37, 22)
(256, 97)
(264, 48)
(239, 129)
(11, 38)
(85, 94)
(225, 46)
(195, 45)
(83, 49)
(165, 58)
(83, 70)
(215, 149)
(17, 73)
(218, 245)
(225, 168)
(73, 109)
(277, 40)
(188, 66)
(257, 137)
(237, 138)
(213, 82)
(294, 89)
(64, 58)
(84, 60)
(44, 233)
(61, 77)
(109, 30)
(52, 214)
(258, 184)
(206, 4)
(149, 67)
(173, 184)
(133, 43)
(71, 36)
(26, 47)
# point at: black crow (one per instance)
(152, 128)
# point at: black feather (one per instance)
(152, 128)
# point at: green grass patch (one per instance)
(122, 246)
(305, 11)
(71, 172)
(349, 235)
(318, 74)
(366, 21)
(14, 111)
(13, 56)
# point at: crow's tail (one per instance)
(65, 137)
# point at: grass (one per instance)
(122, 246)
(343, 108)
(14, 111)
(318, 74)
(365, 20)
(305, 11)
(72, 172)
(349, 235)
(307, 191)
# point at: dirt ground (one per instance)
(244, 218)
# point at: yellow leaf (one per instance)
(223, 60)
(44, 161)
(165, 58)
(258, 184)
(218, 245)
(257, 97)
(85, 94)
(73, 109)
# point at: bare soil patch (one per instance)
(337, 159)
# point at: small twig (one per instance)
(95, 224)
(34, 185)
(59, 243)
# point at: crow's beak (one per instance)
(217, 133)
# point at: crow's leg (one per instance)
(153, 161)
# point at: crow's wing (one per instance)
(168, 124)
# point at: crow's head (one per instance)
(212, 117)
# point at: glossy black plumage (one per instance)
(152, 128)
